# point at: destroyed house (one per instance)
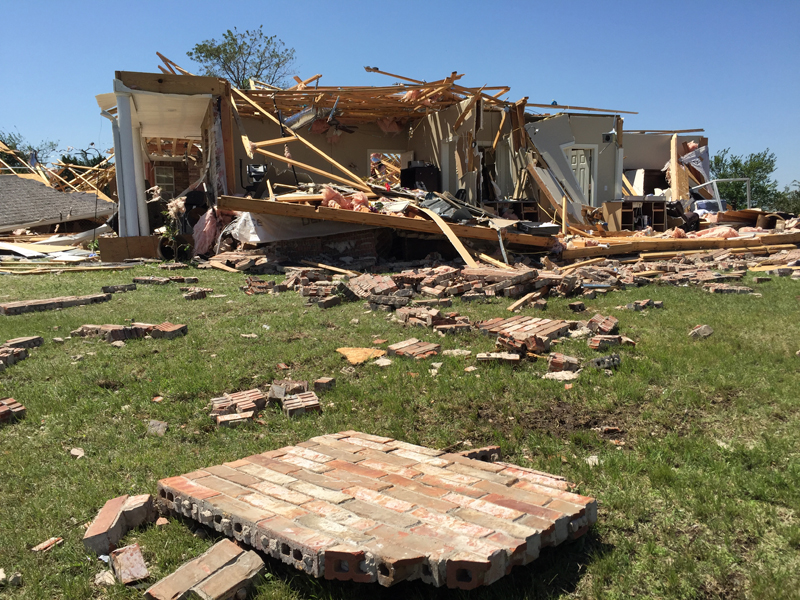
(314, 162)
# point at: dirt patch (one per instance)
(109, 384)
(561, 419)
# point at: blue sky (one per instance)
(732, 68)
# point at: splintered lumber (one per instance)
(222, 267)
(495, 262)
(669, 244)
(351, 506)
(568, 269)
(376, 220)
(445, 227)
(329, 268)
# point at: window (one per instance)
(165, 179)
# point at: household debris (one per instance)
(506, 357)
(612, 361)
(356, 356)
(700, 332)
(365, 508)
(224, 571)
(26, 306)
(48, 544)
(158, 428)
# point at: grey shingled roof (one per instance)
(26, 202)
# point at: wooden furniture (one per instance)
(636, 212)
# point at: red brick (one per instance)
(356, 469)
(269, 463)
(454, 524)
(379, 499)
(108, 527)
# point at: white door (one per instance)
(580, 160)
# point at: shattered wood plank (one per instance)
(288, 209)
(330, 268)
(462, 251)
(495, 262)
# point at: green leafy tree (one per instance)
(759, 167)
(244, 55)
(15, 141)
(789, 199)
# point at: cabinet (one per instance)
(636, 213)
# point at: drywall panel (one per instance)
(549, 136)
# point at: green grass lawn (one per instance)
(701, 501)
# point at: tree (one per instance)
(241, 56)
(758, 167)
(789, 200)
(15, 141)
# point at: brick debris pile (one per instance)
(365, 508)
(120, 333)
(435, 286)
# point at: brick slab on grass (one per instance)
(357, 507)
(26, 306)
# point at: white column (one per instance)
(126, 161)
(141, 194)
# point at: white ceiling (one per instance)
(164, 115)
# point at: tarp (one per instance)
(254, 228)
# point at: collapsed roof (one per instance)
(27, 202)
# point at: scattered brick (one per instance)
(414, 349)
(26, 306)
(561, 362)
(152, 280)
(224, 571)
(11, 410)
(173, 266)
(364, 508)
(724, 288)
(115, 519)
(329, 302)
(128, 564)
(600, 342)
(324, 384)
(25, 342)
(195, 295)
(577, 306)
(299, 404)
(603, 325)
(254, 285)
(168, 331)
(116, 289)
